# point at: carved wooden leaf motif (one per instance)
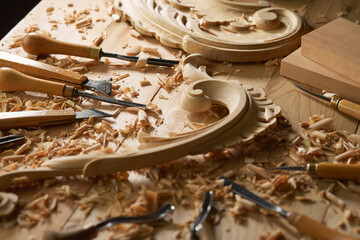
(221, 30)
(250, 114)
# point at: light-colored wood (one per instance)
(12, 80)
(81, 233)
(41, 70)
(316, 230)
(350, 108)
(299, 68)
(39, 44)
(336, 46)
(338, 171)
(26, 119)
(219, 32)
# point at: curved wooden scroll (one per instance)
(221, 30)
(245, 120)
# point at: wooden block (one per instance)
(336, 46)
(301, 69)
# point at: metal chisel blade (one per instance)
(91, 112)
(242, 191)
(294, 168)
(313, 93)
(103, 86)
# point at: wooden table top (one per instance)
(296, 108)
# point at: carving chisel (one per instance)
(24, 119)
(38, 44)
(12, 80)
(304, 224)
(90, 231)
(350, 108)
(199, 222)
(327, 170)
(52, 73)
(10, 140)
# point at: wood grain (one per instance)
(336, 46)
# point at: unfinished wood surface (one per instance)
(299, 68)
(219, 30)
(336, 46)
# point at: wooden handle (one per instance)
(339, 171)
(316, 230)
(41, 70)
(25, 119)
(12, 80)
(350, 108)
(81, 233)
(39, 44)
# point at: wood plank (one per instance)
(299, 68)
(336, 46)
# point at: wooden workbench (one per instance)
(296, 107)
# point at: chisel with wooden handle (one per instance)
(12, 80)
(38, 44)
(303, 223)
(24, 119)
(52, 73)
(327, 170)
(345, 106)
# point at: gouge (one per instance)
(48, 72)
(350, 108)
(10, 140)
(12, 80)
(24, 119)
(327, 170)
(304, 224)
(38, 44)
(89, 231)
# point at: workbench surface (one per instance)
(296, 107)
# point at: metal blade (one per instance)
(313, 93)
(103, 86)
(109, 100)
(153, 61)
(295, 168)
(91, 112)
(159, 214)
(197, 225)
(11, 139)
(254, 198)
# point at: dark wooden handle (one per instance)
(316, 230)
(350, 108)
(41, 70)
(82, 233)
(39, 44)
(25, 119)
(12, 80)
(339, 171)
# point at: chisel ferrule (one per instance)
(334, 102)
(94, 52)
(312, 168)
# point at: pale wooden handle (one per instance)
(39, 44)
(25, 119)
(339, 171)
(12, 80)
(41, 70)
(81, 233)
(316, 230)
(350, 108)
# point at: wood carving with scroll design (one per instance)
(250, 114)
(222, 30)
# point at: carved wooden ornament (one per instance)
(250, 114)
(221, 30)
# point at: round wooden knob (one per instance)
(266, 20)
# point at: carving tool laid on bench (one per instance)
(327, 170)
(350, 108)
(52, 73)
(12, 80)
(38, 44)
(25, 119)
(8, 140)
(304, 224)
